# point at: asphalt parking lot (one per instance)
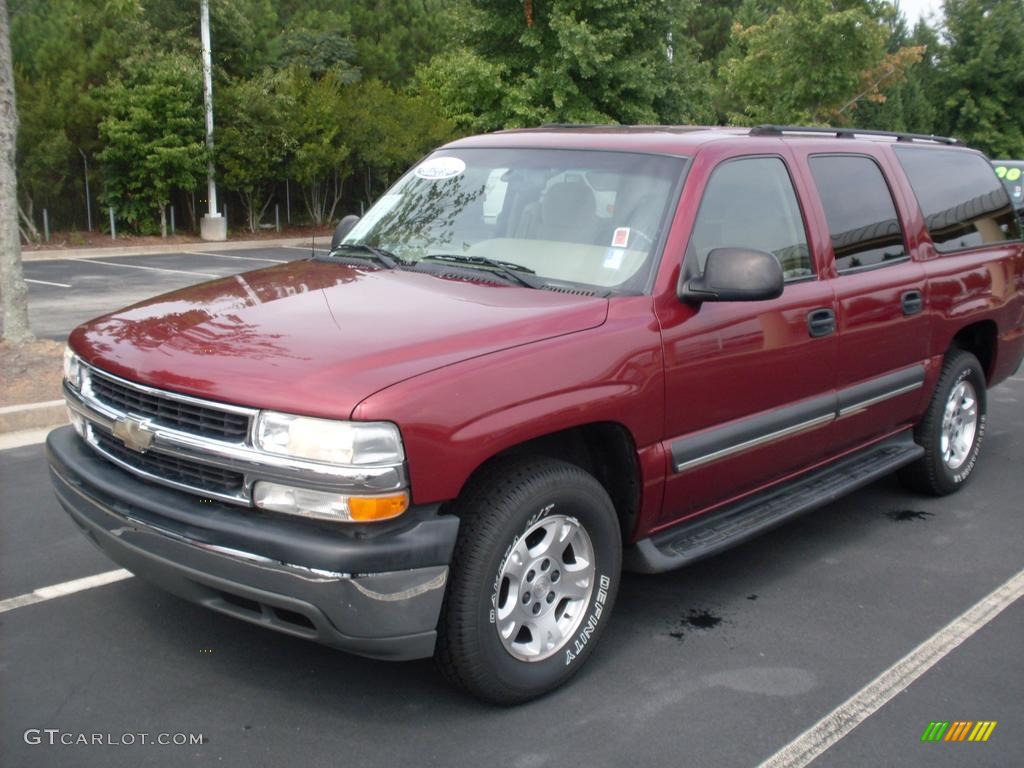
(66, 292)
(720, 664)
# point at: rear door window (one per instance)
(861, 215)
(963, 202)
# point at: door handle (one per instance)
(821, 322)
(912, 302)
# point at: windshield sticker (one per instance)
(440, 168)
(1012, 174)
(377, 211)
(613, 258)
(621, 237)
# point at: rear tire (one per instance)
(533, 579)
(952, 429)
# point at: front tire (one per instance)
(533, 579)
(952, 429)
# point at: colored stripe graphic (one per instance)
(982, 730)
(958, 730)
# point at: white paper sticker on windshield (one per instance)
(440, 168)
(621, 237)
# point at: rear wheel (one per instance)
(952, 429)
(533, 579)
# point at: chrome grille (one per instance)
(198, 477)
(175, 414)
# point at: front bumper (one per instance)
(374, 590)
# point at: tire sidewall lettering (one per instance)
(589, 627)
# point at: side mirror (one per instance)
(343, 228)
(735, 274)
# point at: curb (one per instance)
(18, 418)
(154, 250)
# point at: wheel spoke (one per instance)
(575, 588)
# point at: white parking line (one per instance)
(806, 747)
(243, 258)
(47, 282)
(152, 269)
(64, 588)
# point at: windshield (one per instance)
(587, 217)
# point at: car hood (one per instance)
(316, 338)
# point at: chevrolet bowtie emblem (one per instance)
(133, 433)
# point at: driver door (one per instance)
(750, 385)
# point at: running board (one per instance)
(709, 534)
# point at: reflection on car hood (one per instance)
(315, 337)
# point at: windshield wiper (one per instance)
(373, 253)
(516, 273)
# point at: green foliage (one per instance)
(62, 50)
(340, 97)
(316, 127)
(589, 61)
(388, 130)
(802, 65)
(254, 140)
(980, 83)
(153, 135)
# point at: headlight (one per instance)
(327, 440)
(72, 368)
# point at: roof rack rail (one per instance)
(851, 133)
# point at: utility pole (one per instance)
(213, 226)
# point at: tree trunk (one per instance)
(13, 291)
(163, 217)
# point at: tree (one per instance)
(388, 130)
(588, 61)
(253, 141)
(62, 50)
(909, 105)
(811, 62)
(980, 84)
(316, 130)
(392, 39)
(153, 129)
(13, 290)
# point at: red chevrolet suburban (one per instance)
(543, 357)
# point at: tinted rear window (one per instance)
(964, 203)
(860, 212)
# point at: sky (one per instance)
(916, 9)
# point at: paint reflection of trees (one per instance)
(210, 316)
(426, 216)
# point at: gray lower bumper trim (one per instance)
(389, 615)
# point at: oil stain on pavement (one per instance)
(906, 515)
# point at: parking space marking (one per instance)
(809, 745)
(64, 588)
(153, 269)
(47, 282)
(227, 256)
